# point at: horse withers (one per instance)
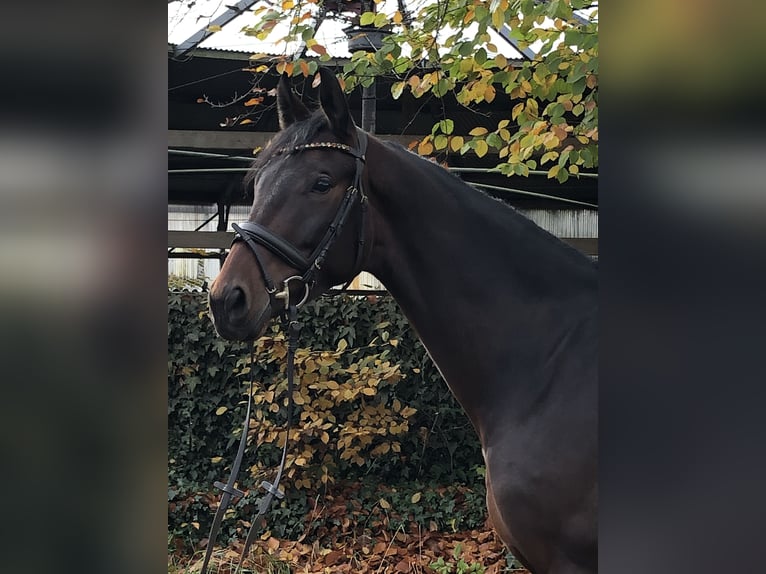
(507, 311)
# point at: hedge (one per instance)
(369, 403)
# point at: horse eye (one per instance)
(322, 185)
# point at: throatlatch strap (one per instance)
(255, 234)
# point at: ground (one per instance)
(399, 553)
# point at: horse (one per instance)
(506, 310)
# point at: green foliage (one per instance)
(459, 566)
(369, 403)
(452, 508)
(178, 283)
(552, 110)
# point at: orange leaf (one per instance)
(333, 557)
(425, 147)
(489, 93)
(304, 68)
(319, 49)
(253, 101)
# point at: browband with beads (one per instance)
(318, 145)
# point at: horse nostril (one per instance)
(236, 303)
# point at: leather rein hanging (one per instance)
(254, 234)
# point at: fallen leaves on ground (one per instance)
(340, 535)
(399, 553)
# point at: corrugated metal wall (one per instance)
(188, 218)
(563, 223)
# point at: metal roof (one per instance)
(212, 24)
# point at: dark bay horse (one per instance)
(507, 311)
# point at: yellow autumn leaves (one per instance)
(343, 417)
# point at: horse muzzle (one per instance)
(236, 316)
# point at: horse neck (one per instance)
(472, 276)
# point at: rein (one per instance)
(254, 234)
(272, 489)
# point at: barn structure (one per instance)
(215, 127)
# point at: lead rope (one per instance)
(272, 489)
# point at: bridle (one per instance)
(254, 234)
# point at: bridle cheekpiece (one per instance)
(255, 234)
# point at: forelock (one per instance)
(296, 134)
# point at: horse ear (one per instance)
(290, 108)
(334, 105)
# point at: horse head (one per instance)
(305, 231)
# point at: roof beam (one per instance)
(232, 11)
(528, 53)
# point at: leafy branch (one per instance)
(446, 48)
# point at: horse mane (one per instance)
(456, 177)
(493, 207)
(464, 185)
(304, 131)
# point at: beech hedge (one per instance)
(368, 403)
